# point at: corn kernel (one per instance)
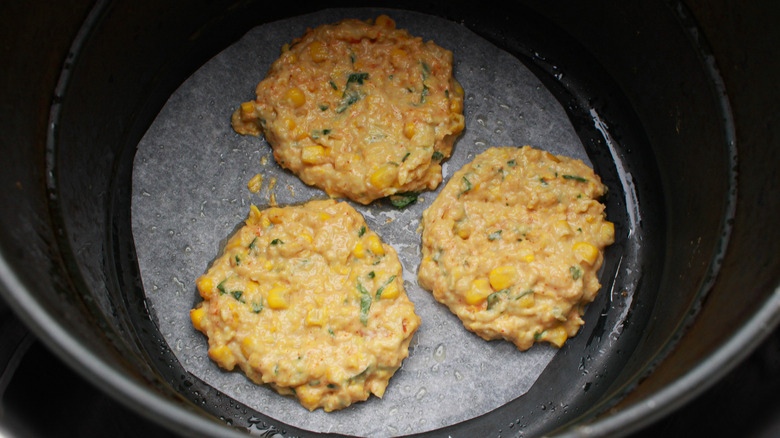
(385, 21)
(324, 216)
(308, 396)
(390, 291)
(252, 288)
(456, 105)
(289, 124)
(274, 215)
(397, 57)
(277, 299)
(607, 232)
(265, 222)
(409, 130)
(358, 250)
(375, 245)
(527, 300)
(318, 51)
(234, 243)
(295, 96)
(248, 345)
(316, 317)
(556, 336)
(502, 277)
(458, 88)
(384, 176)
(254, 215)
(268, 265)
(528, 258)
(479, 291)
(585, 251)
(312, 154)
(462, 230)
(357, 360)
(247, 108)
(205, 287)
(198, 317)
(307, 237)
(562, 228)
(223, 356)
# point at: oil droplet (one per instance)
(421, 393)
(440, 353)
(458, 375)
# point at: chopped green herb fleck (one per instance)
(511, 163)
(238, 260)
(362, 231)
(371, 274)
(333, 85)
(277, 242)
(406, 156)
(393, 163)
(330, 332)
(237, 294)
(357, 77)
(579, 229)
(495, 235)
(257, 307)
(331, 386)
(543, 181)
(424, 93)
(221, 286)
(426, 70)
(401, 200)
(365, 303)
(352, 57)
(323, 107)
(495, 297)
(316, 134)
(447, 93)
(361, 375)
(437, 156)
(467, 184)
(382, 287)
(576, 272)
(252, 243)
(529, 291)
(538, 335)
(575, 178)
(349, 97)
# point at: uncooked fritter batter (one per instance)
(359, 109)
(310, 301)
(513, 244)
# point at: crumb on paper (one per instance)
(291, 189)
(256, 183)
(264, 160)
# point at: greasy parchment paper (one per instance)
(190, 192)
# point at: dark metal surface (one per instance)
(63, 244)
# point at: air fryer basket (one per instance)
(641, 85)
